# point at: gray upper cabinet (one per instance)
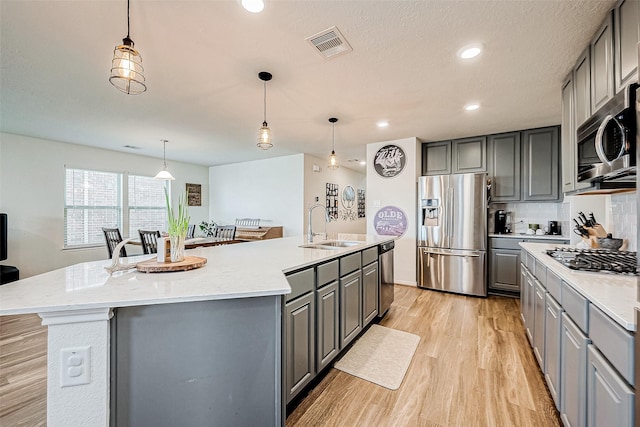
(469, 155)
(541, 175)
(568, 139)
(436, 158)
(602, 83)
(626, 38)
(582, 85)
(504, 166)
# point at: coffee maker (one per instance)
(500, 222)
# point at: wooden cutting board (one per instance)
(188, 263)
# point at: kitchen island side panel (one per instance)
(197, 363)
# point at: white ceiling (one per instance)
(202, 58)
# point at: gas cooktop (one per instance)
(598, 260)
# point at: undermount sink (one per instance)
(331, 244)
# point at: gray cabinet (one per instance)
(369, 293)
(523, 293)
(504, 166)
(626, 38)
(541, 174)
(568, 140)
(602, 83)
(573, 373)
(436, 158)
(582, 85)
(469, 155)
(327, 325)
(350, 307)
(553, 330)
(299, 344)
(609, 398)
(504, 270)
(529, 301)
(539, 306)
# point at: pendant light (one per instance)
(333, 160)
(127, 74)
(264, 135)
(164, 174)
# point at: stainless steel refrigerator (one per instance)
(452, 233)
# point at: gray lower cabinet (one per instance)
(469, 155)
(350, 307)
(573, 374)
(328, 321)
(504, 166)
(541, 166)
(523, 293)
(539, 306)
(504, 270)
(299, 344)
(553, 330)
(609, 398)
(369, 293)
(529, 301)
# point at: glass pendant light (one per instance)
(164, 174)
(333, 160)
(127, 74)
(264, 135)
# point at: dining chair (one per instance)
(226, 231)
(149, 241)
(191, 231)
(113, 237)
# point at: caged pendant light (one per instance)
(164, 174)
(333, 160)
(127, 74)
(264, 135)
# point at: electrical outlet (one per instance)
(75, 366)
(376, 203)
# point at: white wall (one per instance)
(32, 176)
(315, 186)
(399, 191)
(270, 189)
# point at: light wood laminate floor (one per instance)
(23, 371)
(473, 367)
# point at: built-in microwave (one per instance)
(606, 141)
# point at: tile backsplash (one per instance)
(624, 222)
(523, 214)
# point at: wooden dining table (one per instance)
(198, 242)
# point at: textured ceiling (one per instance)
(201, 61)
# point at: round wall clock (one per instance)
(389, 161)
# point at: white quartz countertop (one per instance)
(614, 294)
(240, 270)
(530, 236)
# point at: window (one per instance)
(147, 204)
(96, 199)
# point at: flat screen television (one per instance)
(3, 236)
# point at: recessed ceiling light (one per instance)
(471, 107)
(363, 163)
(253, 6)
(383, 124)
(470, 51)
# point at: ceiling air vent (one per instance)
(329, 43)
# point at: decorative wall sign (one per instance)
(390, 221)
(332, 201)
(348, 197)
(389, 161)
(194, 194)
(361, 204)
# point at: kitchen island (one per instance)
(225, 316)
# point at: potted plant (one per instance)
(178, 226)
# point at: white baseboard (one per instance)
(405, 282)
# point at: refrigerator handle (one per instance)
(450, 211)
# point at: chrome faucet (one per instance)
(310, 233)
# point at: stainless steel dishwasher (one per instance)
(385, 282)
